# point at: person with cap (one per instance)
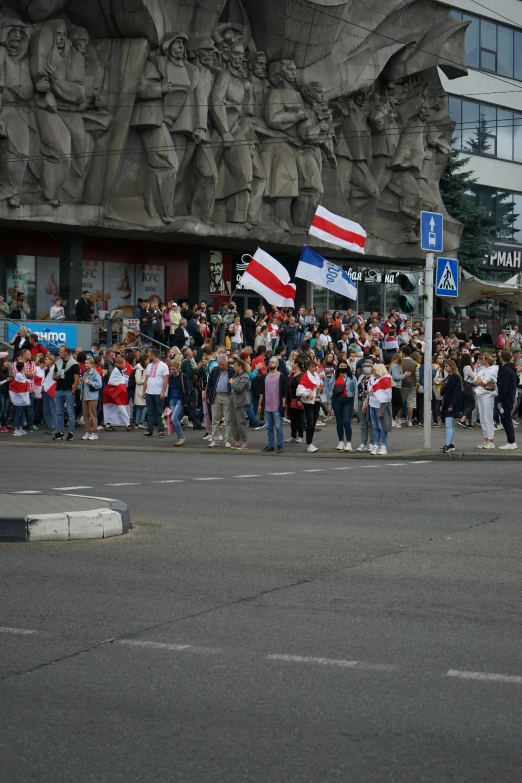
(365, 418)
(164, 115)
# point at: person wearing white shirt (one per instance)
(57, 313)
(154, 390)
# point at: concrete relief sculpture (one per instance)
(233, 126)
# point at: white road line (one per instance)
(283, 473)
(172, 647)
(123, 484)
(313, 470)
(421, 462)
(394, 464)
(249, 475)
(18, 631)
(367, 466)
(28, 492)
(342, 468)
(208, 478)
(306, 659)
(168, 481)
(65, 489)
(484, 677)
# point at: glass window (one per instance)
(456, 14)
(505, 51)
(517, 209)
(488, 130)
(503, 210)
(517, 64)
(488, 36)
(21, 279)
(470, 126)
(472, 41)
(517, 138)
(488, 60)
(505, 134)
(455, 112)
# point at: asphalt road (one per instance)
(267, 619)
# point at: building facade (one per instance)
(147, 150)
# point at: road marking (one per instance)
(123, 484)
(342, 468)
(209, 478)
(283, 473)
(172, 647)
(28, 492)
(484, 676)
(394, 464)
(249, 475)
(421, 462)
(367, 466)
(168, 481)
(313, 470)
(18, 631)
(65, 489)
(306, 659)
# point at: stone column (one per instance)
(71, 257)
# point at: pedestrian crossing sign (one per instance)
(447, 278)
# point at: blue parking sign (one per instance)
(432, 231)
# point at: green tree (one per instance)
(458, 193)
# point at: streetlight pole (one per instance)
(428, 336)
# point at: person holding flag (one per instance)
(380, 408)
(19, 396)
(116, 409)
(49, 393)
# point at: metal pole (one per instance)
(428, 336)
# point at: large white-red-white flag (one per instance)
(49, 384)
(19, 391)
(116, 409)
(269, 278)
(338, 230)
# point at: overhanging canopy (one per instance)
(472, 288)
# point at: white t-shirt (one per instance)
(155, 375)
(57, 313)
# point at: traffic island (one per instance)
(39, 517)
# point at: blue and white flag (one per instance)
(320, 271)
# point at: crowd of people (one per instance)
(265, 369)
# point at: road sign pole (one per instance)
(428, 338)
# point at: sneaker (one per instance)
(515, 423)
(362, 447)
(268, 448)
(34, 427)
(287, 421)
(311, 448)
(87, 436)
(508, 447)
(488, 445)
(141, 427)
(499, 427)
(340, 447)
(101, 427)
(220, 437)
(261, 427)
(228, 445)
(180, 442)
(161, 434)
(410, 424)
(279, 450)
(18, 433)
(81, 421)
(6, 429)
(462, 424)
(189, 425)
(320, 424)
(147, 435)
(437, 425)
(55, 431)
(184, 420)
(109, 428)
(93, 436)
(129, 427)
(243, 447)
(70, 436)
(374, 450)
(58, 436)
(482, 445)
(291, 440)
(348, 447)
(212, 444)
(382, 451)
(298, 439)
(207, 436)
(447, 449)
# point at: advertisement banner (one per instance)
(150, 282)
(92, 280)
(48, 285)
(119, 287)
(55, 332)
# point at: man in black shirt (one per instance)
(84, 308)
(67, 377)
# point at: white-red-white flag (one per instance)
(270, 279)
(49, 384)
(19, 391)
(338, 230)
(116, 409)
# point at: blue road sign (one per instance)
(432, 231)
(447, 277)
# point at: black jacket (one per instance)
(283, 390)
(507, 383)
(212, 382)
(83, 310)
(451, 397)
(179, 338)
(250, 331)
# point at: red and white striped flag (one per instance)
(382, 388)
(38, 383)
(116, 409)
(269, 278)
(49, 384)
(19, 392)
(338, 230)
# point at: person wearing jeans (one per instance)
(343, 396)
(154, 391)
(507, 390)
(272, 401)
(380, 404)
(67, 377)
(451, 398)
(179, 386)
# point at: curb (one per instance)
(107, 522)
(433, 455)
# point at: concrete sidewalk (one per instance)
(406, 443)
